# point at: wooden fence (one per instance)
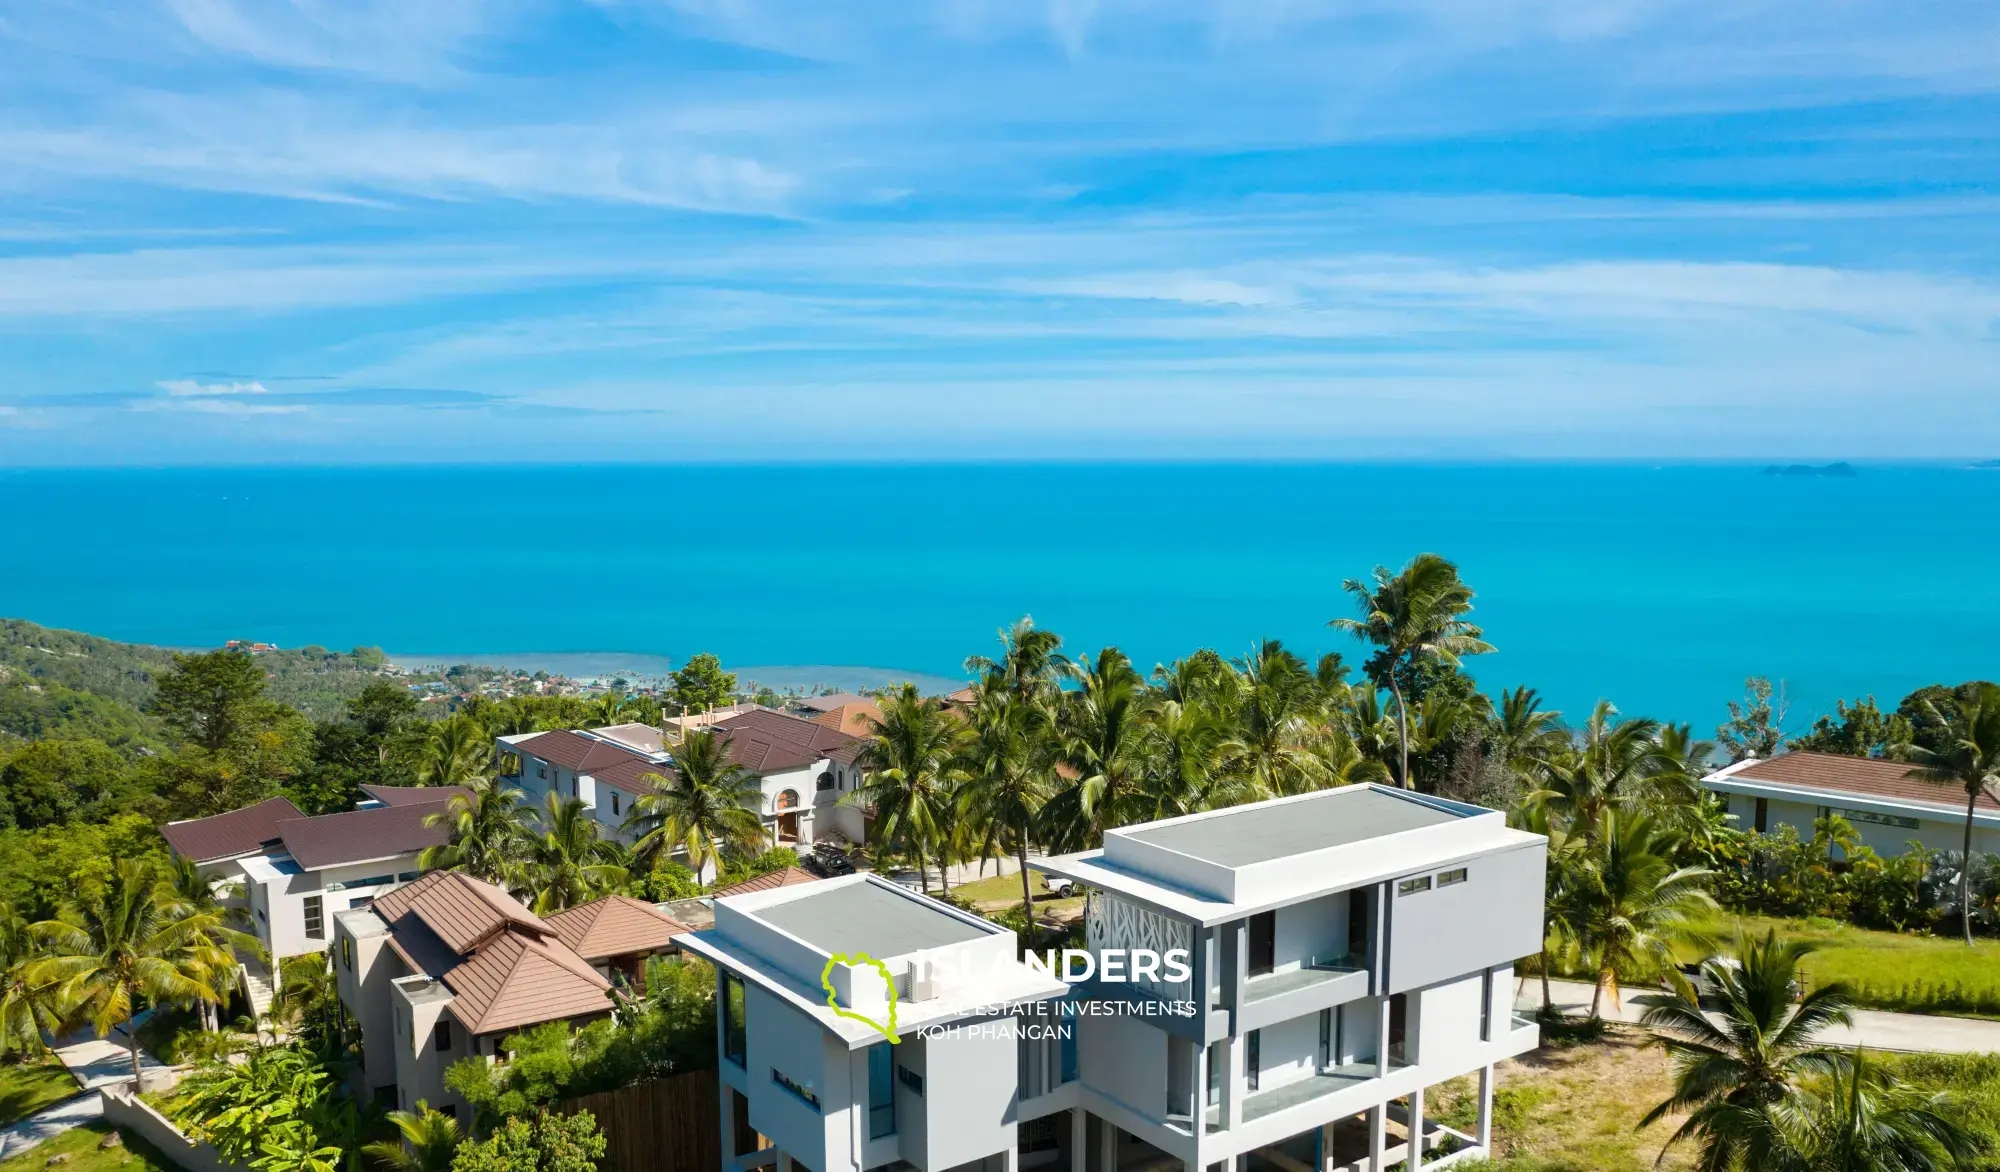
(673, 1124)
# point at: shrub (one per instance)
(552, 1143)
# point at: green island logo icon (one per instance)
(888, 980)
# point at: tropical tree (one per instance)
(1009, 770)
(616, 708)
(27, 1007)
(1278, 722)
(1030, 661)
(1189, 762)
(124, 938)
(455, 751)
(1861, 1119)
(1633, 901)
(199, 894)
(1412, 618)
(707, 803)
(427, 1141)
(567, 861)
(1526, 736)
(1101, 728)
(1613, 763)
(1754, 1053)
(915, 768)
(1968, 756)
(486, 838)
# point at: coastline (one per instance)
(639, 666)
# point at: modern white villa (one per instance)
(1339, 953)
(1888, 808)
(804, 771)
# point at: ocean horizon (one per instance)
(1657, 585)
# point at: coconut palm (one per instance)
(196, 893)
(1413, 617)
(1010, 771)
(1277, 722)
(1860, 1119)
(486, 838)
(567, 861)
(428, 1141)
(456, 751)
(1755, 1051)
(1102, 732)
(1189, 754)
(1612, 763)
(1527, 736)
(1633, 901)
(915, 771)
(1969, 758)
(706, 805)
(27, 1007)
(1030, 660)
(125, 938)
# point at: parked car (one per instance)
(827, 861)
(1060, 886)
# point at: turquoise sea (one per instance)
(1658, 587)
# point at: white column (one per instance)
(1079, 1139)
(1107, 1145)
(1378, 1135)
(1417, 1130)
(1234, 1084)
(728, 1129)
(1326, 1147)
(1485, 1135)
(1382, 1041)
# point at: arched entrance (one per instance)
(787, 807)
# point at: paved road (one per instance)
(1872, 1028)
(93, 1062)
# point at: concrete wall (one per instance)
(1125, 1059)
(1493, 918)
(1317, 927)
(970, 1082)
(1935, 833)
(1446, 1022)
(1287, 1052)
(365, 989)
(124, 1109)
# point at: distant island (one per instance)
(1838, 470)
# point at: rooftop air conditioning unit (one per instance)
(923, 981)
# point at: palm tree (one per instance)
(914, 759)
(1101, 727)
(1411, 617)
(456, 751)
(1029, 662)
(429, 1140)
(568, 862)
(1275, 721)
(486, 837)
(124, 938)
(27, 1007)
(196, 893)
(708, 803)
(1527, 736)
(1861, 1120)
(1187, 762)
(1968, 758)
(1752, 1055)
(1009, 768)
(1634, 902)
(1613, 763)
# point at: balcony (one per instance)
(1320, 983)
(1258, 1104)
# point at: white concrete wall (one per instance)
(1317, 927)
(1935, 833)
(970, 1082)
(364, 988)
(1445, 1020)
(1124, 1059)
(1287, 1051)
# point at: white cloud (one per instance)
(188, 386)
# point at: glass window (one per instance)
(614, 803)
(1068, 1051)
(1253, 1056)
(786, 1081)
(734, 1040)
(542, 770)
(347, 953)
(881, 1090)
(1447, 878)
(1412, 886)
(911, 1079)
(315, 918)
(441, 1035)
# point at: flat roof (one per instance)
(867, 917)
(1259, 833)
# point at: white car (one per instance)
(1060, 887)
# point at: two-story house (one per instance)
(1339, 953)
(291, 874)
(447, 967)
(809, 1086)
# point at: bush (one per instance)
(669, 880)
(552, 1143)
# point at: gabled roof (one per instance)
(224, 836)
(856, 720)
(789, 877)
(460, 910)
(409, 795)
(357, 836)
(518, 979)
(643, 737)
(764, 741)
(575, 752)
(1864, 776)
(829, 703)
(615, 926)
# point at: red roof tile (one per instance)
(789, 877)
(765, 742)
(615, 926)
(357, 836)
(1857, 775)
(517, 980)
(407, 795)
(224, 836)
(575, 752)
(461, 910)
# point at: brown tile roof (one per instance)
(856, 720)
(765, 742)
(360, 835)
(630, 775)
(615, 926)
(406, 795)
(461, 910)
(789, 877)
(517, 979)
(574, 752)
(1857, 775)
(225, 836)
(830, 702)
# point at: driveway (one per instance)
(1873, 1028)
(93, 1062)
(84, 1108)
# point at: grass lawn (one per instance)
(1005, 891)
(1889, 970)
(27, 1087)
(80, 1146)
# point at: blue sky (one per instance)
(371, 230)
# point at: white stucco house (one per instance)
(1888, 808)
(1341, 952)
